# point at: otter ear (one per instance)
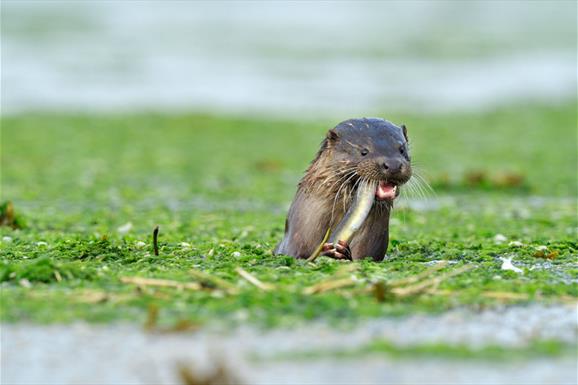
(332, 135)
(404, 129)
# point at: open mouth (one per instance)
(386, 191)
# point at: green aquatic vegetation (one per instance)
(57, 273)
(92, 188)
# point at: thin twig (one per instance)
(505, 295)
(139, 281)
(84, 296)
(343, 277)
(156, 240)
(422, 286)
(509, 296)
(330, 285)
(254, 280)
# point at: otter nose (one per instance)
(392, 165)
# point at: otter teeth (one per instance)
(386, 191)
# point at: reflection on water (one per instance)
(288, 58)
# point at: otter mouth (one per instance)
(386, 191)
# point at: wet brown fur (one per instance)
(323, 196)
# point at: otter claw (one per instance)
(339, 250)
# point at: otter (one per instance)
(366, 149)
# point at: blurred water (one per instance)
(286, 58)
(125, 354)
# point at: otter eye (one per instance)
(402, 150)
(364, 152)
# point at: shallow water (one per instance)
(83, 353)
(285, 58)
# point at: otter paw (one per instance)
(339, 250)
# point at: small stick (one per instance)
(509, 296)
(329, 285)
(342, 278)
(417, 288)
(254, 280)
(504, 295)
(156, 240)
(317, 250)
(161, 283)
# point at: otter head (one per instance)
(372, 149)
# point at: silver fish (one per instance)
(355, 216)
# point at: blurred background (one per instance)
(494, 79)
(292, 59)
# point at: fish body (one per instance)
(356, 214)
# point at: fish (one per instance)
(356, 214)
(353, 218)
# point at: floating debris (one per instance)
(507, 265)
(254, 280)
